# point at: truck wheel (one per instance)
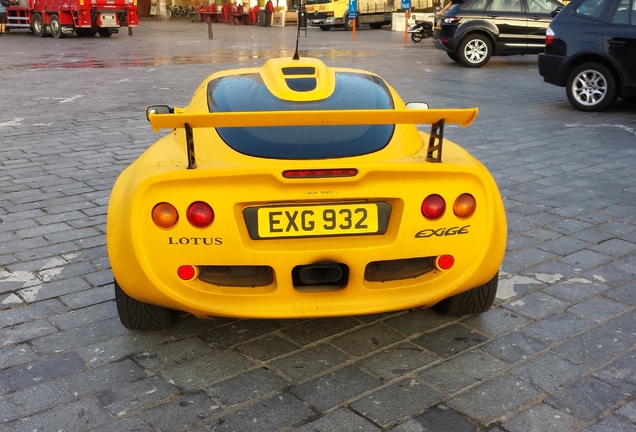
(104, 32)
(37, 25)
(475, 51)
(474, 301)
(325, 28)
(84, 32)
(348, 22)
(56, 27)
(591, 87)
(136, 315)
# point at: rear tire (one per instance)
(136, 315)
(474, 301)
(417, 37)
(85, 32)
(104, 32)
(474, 51)
(37, 26)
(56, 27)
(591, 87)
(325, 28)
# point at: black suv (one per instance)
(591, 51)
(471, 31)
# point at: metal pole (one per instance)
(406, 27)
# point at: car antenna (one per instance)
(301, 10)
(296, 56)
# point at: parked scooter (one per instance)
(422, 29)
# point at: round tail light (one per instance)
(464, 206)
(433, 207)
(200, 214)
(164, 215)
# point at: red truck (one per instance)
(65, 17)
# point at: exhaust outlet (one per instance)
(321, 276)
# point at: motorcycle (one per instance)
(422, 29)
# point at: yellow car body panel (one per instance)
(243, 189)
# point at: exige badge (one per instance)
(442, 232)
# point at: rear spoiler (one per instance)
(164, 117)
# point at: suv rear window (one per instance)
(353, 91)
(623, 13)
(590, 8)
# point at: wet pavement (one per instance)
(555, 354)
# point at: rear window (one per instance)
(591, 8)
(353, 91)
(626, 9)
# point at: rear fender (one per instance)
(482, 27)
(605, 60)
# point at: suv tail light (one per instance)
(451, 20)
(549, 36)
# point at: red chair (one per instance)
(239, 16)
(252, 17)
(226, 10)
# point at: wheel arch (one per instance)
(594, 57)
(479, 31)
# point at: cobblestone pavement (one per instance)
(555, 354)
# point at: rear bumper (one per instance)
(356, 275)
(552, 69)
(316, 22)
(239, 274)
(445, 43)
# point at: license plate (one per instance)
(318, 220)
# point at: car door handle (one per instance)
(616, 43)
(535, 17)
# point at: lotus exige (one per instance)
(299, 190)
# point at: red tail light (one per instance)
(200, 214)
(320, 173)
(164, 215)
(433, 207)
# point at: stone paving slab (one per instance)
(556, 353)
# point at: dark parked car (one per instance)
(472, 31)
(591, 51)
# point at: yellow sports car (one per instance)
(299, 190)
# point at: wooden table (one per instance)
(239, 18)
(210, 16)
